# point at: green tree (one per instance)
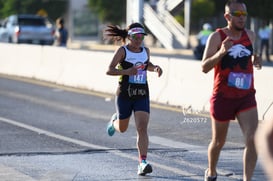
(113, 11)
(53, 8)
(201, 11)
(261, 9)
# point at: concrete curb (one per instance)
(182, 84)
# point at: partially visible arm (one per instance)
(256, 60)
(251, 36)
(153, 68)
(264, 146)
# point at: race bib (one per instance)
(239, 80)
(139, 78)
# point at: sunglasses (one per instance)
(238, 13)
(137, 36)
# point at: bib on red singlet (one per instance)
(239, 80)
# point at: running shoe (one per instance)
(110, 127)
(144, 168)
(209, 178)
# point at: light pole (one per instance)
(134, 11)
(187, 14)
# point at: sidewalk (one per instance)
(95, 45)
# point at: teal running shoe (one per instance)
(110, 127)
(144, 168)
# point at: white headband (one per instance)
(137, 30)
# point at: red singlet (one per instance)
(233, 75)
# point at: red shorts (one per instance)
(226, 109)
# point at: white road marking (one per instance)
(54, 104)
(90, 145)
(174, 144)
(51, 134)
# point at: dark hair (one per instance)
(229, 2)
(60, 21)
(115, 33)
(135, 25)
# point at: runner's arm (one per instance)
(213, 54)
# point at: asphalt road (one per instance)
(53, 133)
